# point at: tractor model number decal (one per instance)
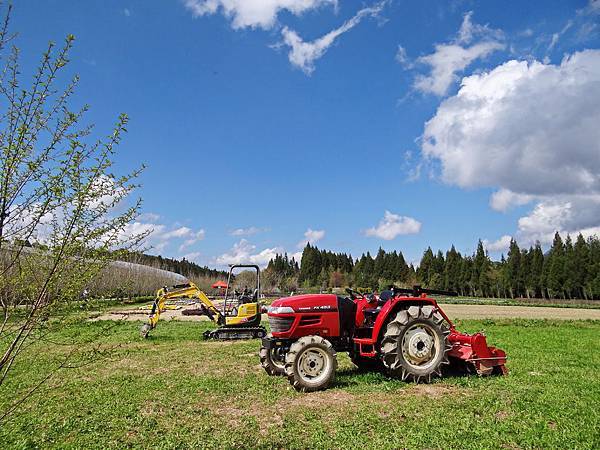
(317, 308)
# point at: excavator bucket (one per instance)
(471, 351)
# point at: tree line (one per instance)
(188, 269)
(568, 269)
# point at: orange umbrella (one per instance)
(219, 285)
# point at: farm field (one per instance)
(454, 311)
(175, 390)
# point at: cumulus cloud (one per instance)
(531, 131)
(571, 214)
(311, 236)
(253, 13)
(245, 252)
(303, 54)
(500, 245)
(160, 236)
(503, 200)
(449, 59)
(393, 225)
(250, 231)
(177, 233)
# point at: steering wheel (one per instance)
(353, 295)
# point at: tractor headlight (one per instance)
(280, 310)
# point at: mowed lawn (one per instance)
(176, 391)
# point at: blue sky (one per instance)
(352, 124)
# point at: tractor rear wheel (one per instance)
(310, 364)
(272, 360)
(415, 344)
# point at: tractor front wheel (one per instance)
(415, 344)
(310, 364)
(272, 360)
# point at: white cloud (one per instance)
(571, 214)
(311, 236)
(192, 238)
(31, 222)
(247, 231)
(500, 245)
(402, 58)
(531, 131)
(192, 256)
(503, 200)
(556, 36)
(138, 228)
(254, 13)
(104, 193)
(452, 58)
(592, 8)
(304, 54)
(160, 236)
(151, 217)
(245, 252)
(393, 225)
(127, 12)
(530, 128)
(177, 233)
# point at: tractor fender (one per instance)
(389, 310)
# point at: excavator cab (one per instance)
(238, 318)
(241, 308)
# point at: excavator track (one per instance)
(233, 333)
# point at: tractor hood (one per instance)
(304, 303)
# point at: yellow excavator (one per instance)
(238, 318)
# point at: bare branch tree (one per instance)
(64, 214)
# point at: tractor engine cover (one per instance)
(304, 315)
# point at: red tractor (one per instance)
(402, 332)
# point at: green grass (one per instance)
(176, 391)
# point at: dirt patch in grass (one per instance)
(435, 391)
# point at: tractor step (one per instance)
(232, 333)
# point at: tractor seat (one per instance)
(384, 297)
(244, 299)
(371, 313)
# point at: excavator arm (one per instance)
(189, 290)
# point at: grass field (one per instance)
(176, 391)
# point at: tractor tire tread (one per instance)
(390, 346)
(267, 363)
(290, 362)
